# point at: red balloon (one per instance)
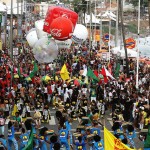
(55, 12)
(61, 29)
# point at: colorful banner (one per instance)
(130, 43)
(112, 143)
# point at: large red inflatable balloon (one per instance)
(61, 29)
(55, 12)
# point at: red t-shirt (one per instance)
(49, 90)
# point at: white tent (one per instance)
(109, 14)
(121, 52)
(94, 19)
(2, 7)
(144, 46)
(144, 50)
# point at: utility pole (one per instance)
(90, 35)
(101, 28)
(123, 35)
(117, 22)
(18, 19)
(137, 66)
(109, 29)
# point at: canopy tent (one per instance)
(120, 51)
(14, 10)
(94, 19)
(3, 7)
(109, 14)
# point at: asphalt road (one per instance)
(105, 121)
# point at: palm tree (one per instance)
(123, 35)
(80, 7)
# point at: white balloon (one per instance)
(64, 44)
(80, 34)
(45, 50)
(32, 37)
(39, 29)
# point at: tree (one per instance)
(80, 7)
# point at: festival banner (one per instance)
(112, 143)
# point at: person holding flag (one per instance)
(11, 136)
(24, 137)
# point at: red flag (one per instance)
(96, 72)
(76, 82)
(103, 72)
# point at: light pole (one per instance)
(11, 40)
(137, 67)
(11, 31)
(101, 28)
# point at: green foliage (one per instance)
(106, 30)
(79, 5)
(143, 2)
(132, 28)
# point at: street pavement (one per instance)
(53, 124)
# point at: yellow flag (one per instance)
(86, 80)
(112, 143)
(15, 109)
(1, 45)
(64, 73)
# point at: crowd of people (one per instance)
(79, 98)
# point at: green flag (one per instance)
(19, 73)
(147, 141)
(29, 146)
(117, 70)
(35, 69)
(92, 75)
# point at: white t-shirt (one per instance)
(53, 87)
(59, 90)
(45, 89)
(84, 90)
(19, 86)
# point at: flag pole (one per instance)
(101, 28)
(116, 39)
(137, 66)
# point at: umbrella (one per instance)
(28, 79)
(46, 78)
(16, 76)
